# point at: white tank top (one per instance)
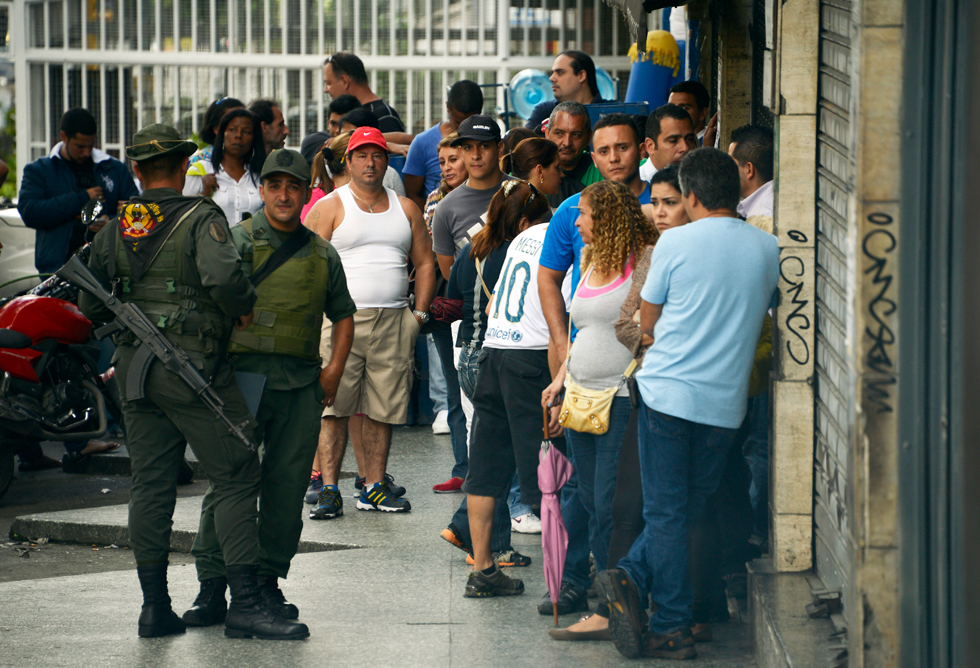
(374, 249)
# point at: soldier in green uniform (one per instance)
(283, 345)
(172, 257)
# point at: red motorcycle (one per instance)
(50, 388)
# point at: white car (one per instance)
(17, 272)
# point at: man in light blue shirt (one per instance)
(704, 301)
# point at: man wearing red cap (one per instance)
(374, 231)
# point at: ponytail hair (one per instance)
(527, 155)
(515, 201)
(329, 161)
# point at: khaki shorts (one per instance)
(377, 378)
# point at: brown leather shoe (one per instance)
(625, 612)
(678, 645)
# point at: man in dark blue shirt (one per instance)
(572, 78)
(54, 189)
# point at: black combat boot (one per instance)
(210, 606)
(157, 618)
(273, 598)
(248, 616)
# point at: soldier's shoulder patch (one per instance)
(218, 232)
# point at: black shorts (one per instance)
(507, 423)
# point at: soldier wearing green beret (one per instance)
(172, 256)
(283, 345)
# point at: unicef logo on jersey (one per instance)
(516, 336)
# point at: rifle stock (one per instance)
(151, 344)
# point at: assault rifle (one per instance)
(152, 344)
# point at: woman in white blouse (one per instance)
(231, 177)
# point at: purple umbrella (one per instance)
(554, 470)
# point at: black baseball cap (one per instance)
(480, 128)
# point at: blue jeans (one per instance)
(500, 533)
(469, 368)
(437, 379)
(576, 519)
(514, 500)
(681, 463)
(756, 453)
(596, 458)
(443, 339)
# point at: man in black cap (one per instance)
(172, 257)
(283, 345)
(462, 213)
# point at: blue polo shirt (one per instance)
(423, 157)
(715, 278)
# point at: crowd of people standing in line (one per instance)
(570, 254)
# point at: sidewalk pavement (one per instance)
(384, 590)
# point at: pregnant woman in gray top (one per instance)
(617, 235)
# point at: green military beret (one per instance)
(286, 161)
(156, 140)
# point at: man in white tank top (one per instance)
(375, 233)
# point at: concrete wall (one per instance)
(791, 463)
(874, 631)
(872, 320)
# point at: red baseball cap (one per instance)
(366, 135)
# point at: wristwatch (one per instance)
(422, 315)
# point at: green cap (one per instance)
(156, 140)
(286, 161)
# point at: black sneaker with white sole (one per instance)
(481, 585)
(379, 497)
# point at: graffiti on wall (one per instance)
(878, 246)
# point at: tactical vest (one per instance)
(289, 311)
(187, 315)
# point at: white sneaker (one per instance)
(526, 523)
(441, 424)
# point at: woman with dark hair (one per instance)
(212, 118)
(235, 165)
(534, 160)
(517, 208)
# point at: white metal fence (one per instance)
(134, 62)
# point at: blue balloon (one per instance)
(529, 88)
(607, 87)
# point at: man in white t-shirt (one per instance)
(513, 371)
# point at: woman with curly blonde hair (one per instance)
(618, 237)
